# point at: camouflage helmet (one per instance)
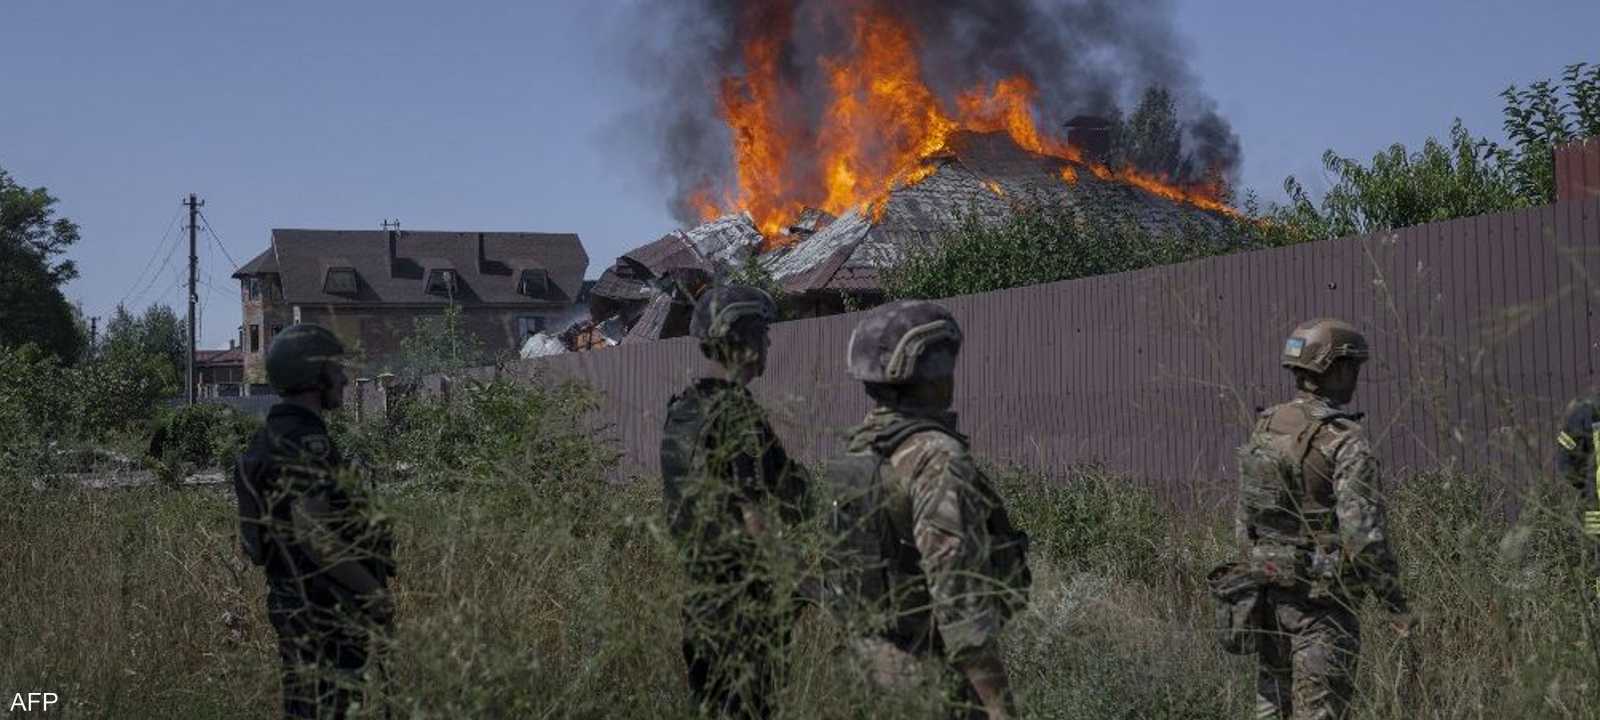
(1315, 344)
(904, 342)
(295, 360)
(720, 308)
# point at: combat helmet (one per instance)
(720, 308)
(1315, 344)
(903, 342)
(297, 355)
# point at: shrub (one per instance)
(200, 436)
(1040, 243)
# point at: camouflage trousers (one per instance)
(1307, 654)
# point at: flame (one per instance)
(879, 124)
(994, 187)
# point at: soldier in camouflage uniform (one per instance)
(731, 494)
(1311, 523)
(1575, 461)
(307, 521)
(951, 569)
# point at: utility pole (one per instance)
(194, 263)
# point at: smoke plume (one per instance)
(1093, 57)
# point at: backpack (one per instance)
(1293, 531)
(865, 554)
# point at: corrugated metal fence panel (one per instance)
(1480, 330)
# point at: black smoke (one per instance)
(1085, 57)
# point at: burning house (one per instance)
(840, 135)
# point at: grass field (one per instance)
(551, 593)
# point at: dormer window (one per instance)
(340, 281)
(533, 283)
(442, 282)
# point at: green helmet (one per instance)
(904, 342)
(295, 360)
(718, 309)
(1315, 344)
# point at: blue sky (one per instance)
(503, 116)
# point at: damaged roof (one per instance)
(982, 173)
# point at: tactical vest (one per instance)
(682, 437)
(868, 560)
(1287, 492)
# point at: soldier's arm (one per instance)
(1575, 443)
(1362, 525)
(948, 526)
(952, 538)
(733, 450)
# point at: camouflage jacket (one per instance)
(1576, 442)
(719, 454)
(940, 520)
(1341, 477)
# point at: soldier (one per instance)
(932, 566)
(1311, 523)
(1575, 461)
(730, 490)
(326, 557)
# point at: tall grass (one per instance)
(530, 586)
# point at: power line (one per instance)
(147, 263)
(165, 263)
(213, 234)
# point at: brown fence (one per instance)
(1482, 328)
(1578, 170)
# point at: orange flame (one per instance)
(879, 124)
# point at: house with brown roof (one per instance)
(219, 373)
(370, 286)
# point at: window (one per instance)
(340, 281)
(255, 338)
(529, 325)
(534, 283)
(442, 282)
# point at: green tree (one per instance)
(32, 239)
(158, 332)
(1152, 138)
(1040, 243)
(1462, 177)
(439, 344)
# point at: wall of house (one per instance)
(373, 334)
(264, 311)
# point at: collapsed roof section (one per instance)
(983, 173)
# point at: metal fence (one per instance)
(1482, 328)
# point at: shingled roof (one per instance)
(488, 266)
(981, 172)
